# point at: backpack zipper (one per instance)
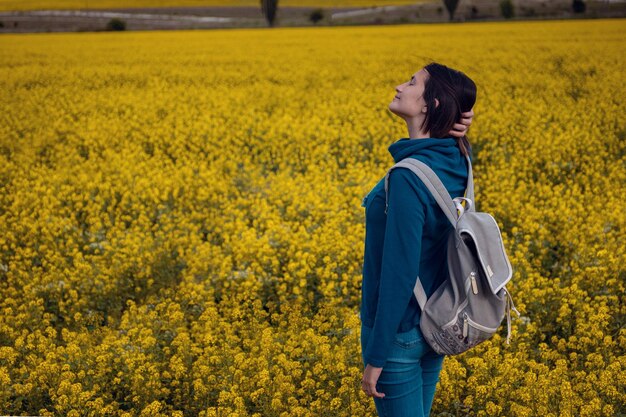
(474, 285)
(477, 325)
(456, 315)
(465, 324)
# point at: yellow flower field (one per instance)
(181, 231)
(105, 4)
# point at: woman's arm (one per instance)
(407, 197)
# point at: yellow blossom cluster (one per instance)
(181, 230)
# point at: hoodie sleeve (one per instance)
(400, 260)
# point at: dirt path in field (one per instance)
(232, 17)
(180, 18)
(135, 19)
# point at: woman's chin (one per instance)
(392, 109)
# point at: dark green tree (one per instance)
(451, 6)
(507, 9)
(316, 15)
(269, 8)
(579, 6)
(116, 24)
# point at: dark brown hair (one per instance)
(456, 93)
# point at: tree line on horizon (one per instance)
(270, 8)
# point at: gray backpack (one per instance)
(469, 306)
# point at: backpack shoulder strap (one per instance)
(469, 191)
(435, 186)
(441, 195)
(432, 182)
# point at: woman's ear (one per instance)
(425, 108)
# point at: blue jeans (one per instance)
(409, 377)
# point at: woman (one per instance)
(401, 369)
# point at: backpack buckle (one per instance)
(459, 206)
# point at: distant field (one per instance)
(106, 4)
(181, 229)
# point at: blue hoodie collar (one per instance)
(406, 147)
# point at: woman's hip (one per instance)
(409, 349)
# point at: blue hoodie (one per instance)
(408, 241)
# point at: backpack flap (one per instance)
(481, 233)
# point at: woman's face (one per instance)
(409, 101)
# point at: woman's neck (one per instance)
(415, 131)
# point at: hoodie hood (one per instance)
(432, 147)
(442, 155)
